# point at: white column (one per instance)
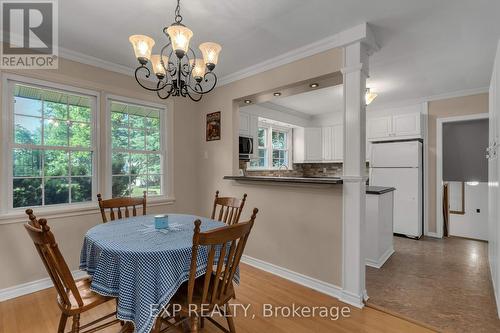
(355, 72)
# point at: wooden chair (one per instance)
(74, 297)
(120, 203)
(215, 288)
(229, 208)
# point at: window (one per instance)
(137, 152)
(52, 146)
(274, 145)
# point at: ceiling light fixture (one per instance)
(247, 101)
(277, 94)
(369, 96)
(178, 70)
(314, 85)
(472, 183)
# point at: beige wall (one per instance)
(17, 254)
(298, 228)
(452, 107)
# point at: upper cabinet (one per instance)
(249, 127)
(395, 127)
(318, 144)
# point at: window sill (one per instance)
(19, 216)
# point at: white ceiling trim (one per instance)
(357, 33)
(96, 62)
(453, 94)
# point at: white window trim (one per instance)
(269, 149)
(6, 198)
(166, 137)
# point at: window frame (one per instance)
(269, 145)
(165, 141)
(8, 82)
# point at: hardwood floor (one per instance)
(38, 312)
(444, 283)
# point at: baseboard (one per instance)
(33, 286)
(432, 234)
(306, 281)
(381, 261)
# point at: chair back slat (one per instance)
(229, 208)
(119, 204)
(216, 283)
(52, 259)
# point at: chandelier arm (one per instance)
(169, 92)
(206, 80)
(194, 99)
(147, 75)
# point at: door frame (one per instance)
(439, 163)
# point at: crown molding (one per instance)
(361, 32)
(94, 61)
(448, 95)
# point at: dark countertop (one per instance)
(297, 180)
(379, 189)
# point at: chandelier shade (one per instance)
(179, 72)
(158, 63)
(179, 36)
(143, 45)
(199, 68)
(210, 52)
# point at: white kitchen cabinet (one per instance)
(406, 124)
(338, 143)
(244, 124)
(395, 127)
(328, 147)
(249, 127)
(379, 127)
(313, 144)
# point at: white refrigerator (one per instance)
(399, 165)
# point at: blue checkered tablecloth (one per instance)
(140, 265)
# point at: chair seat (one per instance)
(180, 296)
(90, 299)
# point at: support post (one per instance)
(355, 73)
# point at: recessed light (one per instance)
(277, 94)
(247, 101)
(314, 85)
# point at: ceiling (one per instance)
(428, 47)
(312, 103)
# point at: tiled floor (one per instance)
(443, 283)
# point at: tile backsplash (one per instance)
(301, 170)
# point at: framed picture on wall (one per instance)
(213, 126)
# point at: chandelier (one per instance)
(177, 69)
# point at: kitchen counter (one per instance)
(296, 180)
(378, 190)
(375, 190)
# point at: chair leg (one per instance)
(76, 324)
(202, 322)
(157, 326)
(194, 324)
(230, 322)
(62, 323)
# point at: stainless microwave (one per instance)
(246, 147)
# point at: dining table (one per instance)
(142, 266)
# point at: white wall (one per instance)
(493, 179)
(472, 224)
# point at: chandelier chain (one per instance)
(178, 16)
